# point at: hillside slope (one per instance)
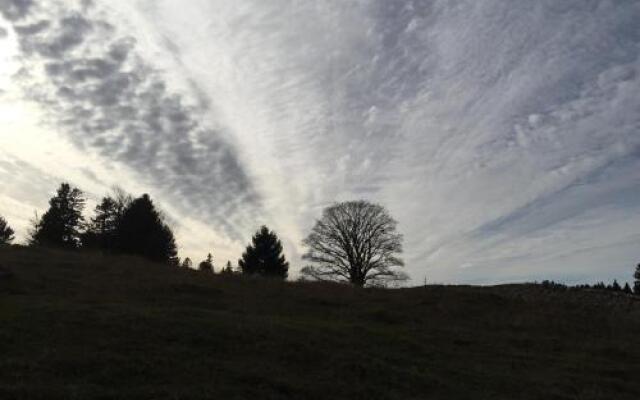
(92, 327)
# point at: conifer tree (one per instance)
(187, 263)
(228, 270)
(6, 233)
(627, 289)
(636, 283)
(61, 224)
(264, 256)
(142, 231)
(207, 264)
(102, 228)
(616, 286)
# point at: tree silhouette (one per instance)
(101, 231)
(264, 256)
(616, 286)
(636, 283)
(142, 231)
(61, 224)
(228, 270)
(627, 289)
(6, 233)
(356, 242)
(207, 264)
(187, 263)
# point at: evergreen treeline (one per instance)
(612, 287)
(122, 224)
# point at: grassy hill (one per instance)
(82, 326)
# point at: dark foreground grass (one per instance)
(82, 326)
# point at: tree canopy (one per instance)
(356, 242)
(6, 233)
(142, 231)
(206, 264)
(102, 229)
(228, 270)
(264, 256)
(61, 224)
(636, 283)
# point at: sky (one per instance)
(504, 136)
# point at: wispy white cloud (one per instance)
(504, 136)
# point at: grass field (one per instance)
(85, 326)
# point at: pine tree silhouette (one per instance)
(264, 256)
(142, 232)
(207, 264)
(599, 286)
(228, 270)
(6, 233)
(102, 229)
(60, 226)
(616, 286)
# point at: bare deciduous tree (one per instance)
(354, 241)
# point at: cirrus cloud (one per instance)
(504, 136)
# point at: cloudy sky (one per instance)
(504, 136)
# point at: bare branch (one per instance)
(354, 241)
